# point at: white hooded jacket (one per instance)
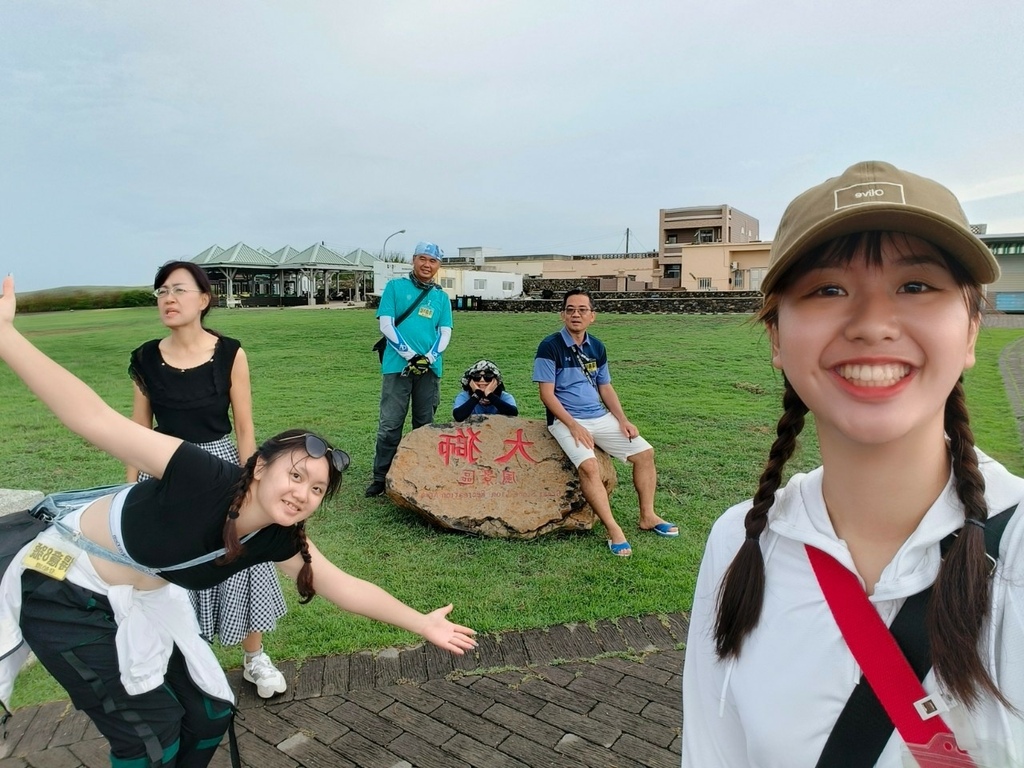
(775, 706)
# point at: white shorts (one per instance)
(607, 435)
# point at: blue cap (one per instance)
(423, 248)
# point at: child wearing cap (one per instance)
(872, 305)
(483, 393)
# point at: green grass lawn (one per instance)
(700, 389)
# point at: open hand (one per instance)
(444, 634)
(581, 435)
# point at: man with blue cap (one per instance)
(415, 317)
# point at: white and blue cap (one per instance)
(425, 248)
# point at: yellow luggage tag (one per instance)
(48, 561)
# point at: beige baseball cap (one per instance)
(876, 196)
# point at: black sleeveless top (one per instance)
(193, 403)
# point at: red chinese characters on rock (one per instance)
(465, 444)
(519, 445)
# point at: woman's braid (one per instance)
(742, 594)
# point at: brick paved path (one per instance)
(570, 696)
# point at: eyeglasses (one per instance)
(581, 311)
(175, 290)
(482, 377)
(317, 448)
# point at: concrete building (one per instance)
(696, 249)
(1007, 293)
(456, 279)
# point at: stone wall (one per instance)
(539, 285)
(660, 302)
(673, 303)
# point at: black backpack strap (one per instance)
(863, 728)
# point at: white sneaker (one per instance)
(266, 677)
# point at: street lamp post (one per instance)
(384, 248)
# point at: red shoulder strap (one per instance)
(886, 668)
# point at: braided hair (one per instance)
(961, 596)
(271, 450)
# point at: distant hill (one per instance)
(85, 297)
(66, 290)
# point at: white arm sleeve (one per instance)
(390, 332)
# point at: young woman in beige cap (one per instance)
(872, 306)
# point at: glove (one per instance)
(417, 366)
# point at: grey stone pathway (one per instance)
(570, 696)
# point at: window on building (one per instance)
(447, 282)
(670, 240)
(705, 235)
(756, 276)
(703, 283)
(479, 284)
(737, 278)
(673, 270)
(508, 285)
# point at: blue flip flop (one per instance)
(620, 550)
(665, 529)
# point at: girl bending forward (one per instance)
(107, 615)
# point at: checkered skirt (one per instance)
(249, 601)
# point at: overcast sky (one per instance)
(136, 132)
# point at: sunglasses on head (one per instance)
(317, 448)
(482, 377)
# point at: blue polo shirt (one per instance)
(576, 372)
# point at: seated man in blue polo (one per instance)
(483, 393)
(571, 370)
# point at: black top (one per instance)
(181, 516)
(192, 403)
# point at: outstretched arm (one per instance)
(142, 413)
(72, 401)
(367, 599)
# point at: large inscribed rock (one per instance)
(492, 476)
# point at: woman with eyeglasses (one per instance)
(98, 595)
(483, 392)
(188, 382)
